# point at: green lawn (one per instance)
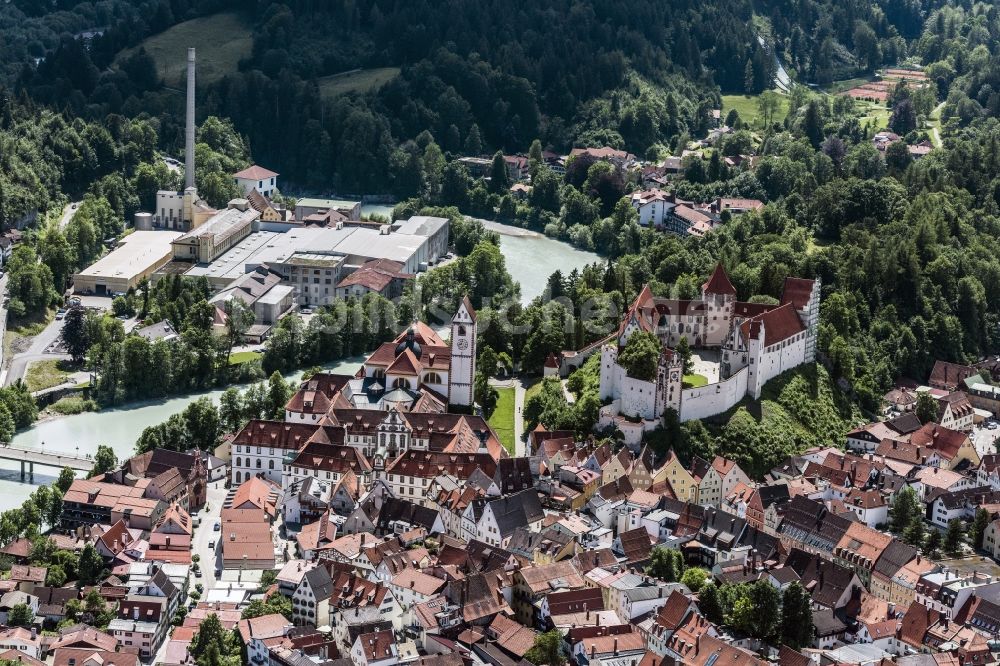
(46, 374)
(532, 390)
(816, 245)
(16, 338)
(694, 381)
(243, 357)
(222, 40)
(876, 113)
(31, 324)
(502, 420)
(846, 84)
(746, 106)
(74, 404)
(358, 81)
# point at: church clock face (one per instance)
(463, 344)
(673, 376)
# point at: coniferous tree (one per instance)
(915, 532)
(499, 178)
(953, 537)
(932, 545)
(796, 617)
(709, 603)
(978, 528)
(904, 508)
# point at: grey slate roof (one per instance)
(517, 510)
(320, 582)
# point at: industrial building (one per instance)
(263, 292)
(137, 256)
(314, 261)
(311, 206)
(218, 234)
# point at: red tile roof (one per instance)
(377, 646)
(275, 433)
(264, 626)
(945, 441)
(797, 292)
(779, 324)
(255, 173)
(719, 282)
(376, 275)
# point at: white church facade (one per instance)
(756, 342)
(418, 371)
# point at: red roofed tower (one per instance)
(719, 296)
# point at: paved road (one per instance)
(36, 352)
(56, 460)
(68, 212)
(984, 440)
(205, 534)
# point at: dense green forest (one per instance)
(477, 75)
(907, 249)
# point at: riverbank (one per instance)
(508, 230)
(117, 427)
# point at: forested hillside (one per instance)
(907, 249)
(477, 75)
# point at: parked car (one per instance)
(217, 527)
(60, 314)
(211, 544)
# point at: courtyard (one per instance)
(705, 368)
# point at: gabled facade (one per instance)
(757, 343)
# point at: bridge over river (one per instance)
(31, 457)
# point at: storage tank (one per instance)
(143, 221)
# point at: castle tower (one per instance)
(669, 383)
(719, 296)
(462, 377)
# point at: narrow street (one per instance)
(205, 534)
(3, 315)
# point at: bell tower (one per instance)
(462, 377)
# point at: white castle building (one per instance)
(756, 342)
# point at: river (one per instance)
(531, 257)
(118, 428)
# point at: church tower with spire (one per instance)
(461, 384)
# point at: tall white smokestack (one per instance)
(189, 129)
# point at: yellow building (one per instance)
(138, 256)
(217, 235)
(680, 480)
